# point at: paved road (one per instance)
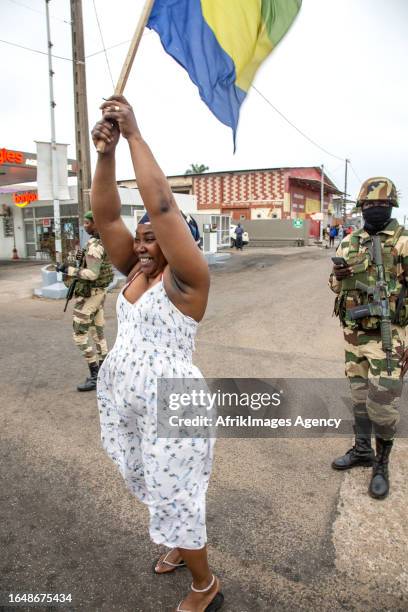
(286, 533)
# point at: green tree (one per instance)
(197, 169)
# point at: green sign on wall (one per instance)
(298, 223)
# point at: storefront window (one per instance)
(45, 234)
(39, 231)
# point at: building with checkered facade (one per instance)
(270, 193)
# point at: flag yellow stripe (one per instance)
(241, 32)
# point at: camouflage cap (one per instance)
(89, 215)
(378, 188)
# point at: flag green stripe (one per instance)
(278, 16)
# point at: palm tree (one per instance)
(197, 169)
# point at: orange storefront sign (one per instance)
(11, 157)
(23, 199)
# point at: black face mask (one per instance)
(376, 218)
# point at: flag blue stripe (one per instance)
(186, 36)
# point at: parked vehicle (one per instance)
(245, 237)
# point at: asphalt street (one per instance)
(285, 531)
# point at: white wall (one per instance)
(187, 203)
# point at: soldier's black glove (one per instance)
(62, 267)
(342, 272)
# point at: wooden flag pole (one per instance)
(127, 66)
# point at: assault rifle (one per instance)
(379, 304)
(71, 288)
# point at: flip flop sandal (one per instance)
(163, 561)
(214, 605)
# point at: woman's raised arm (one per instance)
(105, 201)
(172, 233)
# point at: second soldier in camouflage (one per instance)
(92, 280)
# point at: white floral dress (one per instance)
(169, 475)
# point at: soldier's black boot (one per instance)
(90, 383)
(380, 484)
(362, 453)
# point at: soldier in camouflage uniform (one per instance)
(375, 392)
(93, 277)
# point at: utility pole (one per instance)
(83, 154)
(54, 163)
(322, 202)
(344, 211)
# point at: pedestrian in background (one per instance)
(332, 236)
(93, 276)
(239, 231)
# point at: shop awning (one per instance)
(21, 167)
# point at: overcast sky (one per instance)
(339, 76)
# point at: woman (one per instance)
(158, 312)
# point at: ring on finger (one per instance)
(116, 108)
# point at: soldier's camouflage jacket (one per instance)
(356, 250)
(95, 271)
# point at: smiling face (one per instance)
(146, 247)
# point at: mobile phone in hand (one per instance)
(339, 261)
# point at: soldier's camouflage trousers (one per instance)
(88, 319)
(374, 393)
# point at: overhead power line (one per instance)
(316, 144)
(30, 8)
(7, 42)
(355, 173)
(108, 48)
(13, 44)
(103, 45)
